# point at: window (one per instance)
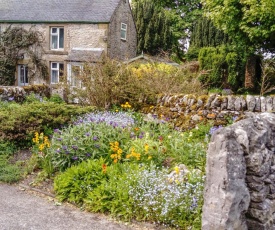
(57, 71)
(123, 31)
(57, 38)
(23, 75)
(74, 72)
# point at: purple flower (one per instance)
(214, 129)
(75, 158)
(95, 138)
(56, 130)
(88, 154)
(58, 150)
(97, 146)
(11, 98)
(67, 152)
(59, 139)
(74, 147)
(64, 147)
(87, 134)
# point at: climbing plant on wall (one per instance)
(15, 43)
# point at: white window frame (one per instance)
(123, 30)
(56, 34)
(71, 79)
(56, 69)
(23, 80)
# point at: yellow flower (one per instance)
(146, 148)
(177, 170)
(149, 157)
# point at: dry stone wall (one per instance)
(188, 110)
(18, 94)
(240, 175)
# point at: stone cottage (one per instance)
(74, 32)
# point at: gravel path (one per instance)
(20, 210)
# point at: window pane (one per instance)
(61, 38)
(61, 69)
(123, 26)
(54, 76)
(54, 65)
(54, 42)
(26, 75)
(22, 72)
(54, 30)
(123, 34)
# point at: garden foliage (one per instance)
(111, 83)
(221, 67)
(116, 162)
(18, 122)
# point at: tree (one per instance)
(14, 42)
(153, 27)
(250, 24)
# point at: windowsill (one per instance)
(124, 40)
(56, 52)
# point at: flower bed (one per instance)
(117, 163)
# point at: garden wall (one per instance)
(187, 110)
(240, 176)
(18, 94)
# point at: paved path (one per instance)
(20, 210)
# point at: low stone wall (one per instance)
(188, 110)
(18, 94)
(240, 176)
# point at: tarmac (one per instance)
(24, 210)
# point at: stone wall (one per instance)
(18, 94)
(240, 176)
(188, 110)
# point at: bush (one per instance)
(74, 184)
(18, 123)
(111, 83)
(221, 67)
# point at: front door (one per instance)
(23, 75)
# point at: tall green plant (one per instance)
(221, 67)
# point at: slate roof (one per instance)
(57, 10)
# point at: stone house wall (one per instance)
(117, 47)
(76, 36)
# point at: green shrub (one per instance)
(19, 122)
(74, 184)
(9, 173)
(221, 67)
(7, 148)
(56, 99)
